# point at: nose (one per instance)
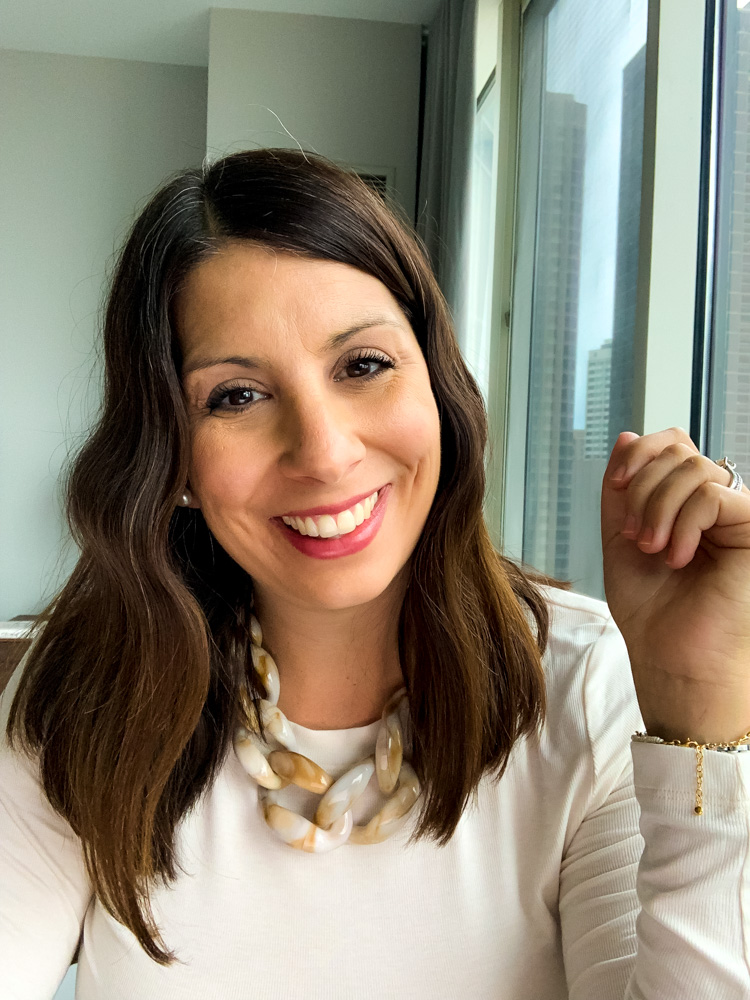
(321, 437)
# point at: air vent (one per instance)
(381, 180)
(377, 182)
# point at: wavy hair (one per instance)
(129, 693)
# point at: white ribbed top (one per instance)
(549, 889)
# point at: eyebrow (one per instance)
(336, 341)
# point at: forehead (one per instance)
(250, 286)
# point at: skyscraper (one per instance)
(628, 229)
(609, 385)
(549, 456)
(598, 377)
(591, 454)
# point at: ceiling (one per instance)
(165, 31)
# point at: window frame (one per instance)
(670, 304)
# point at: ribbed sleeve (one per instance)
(694, 876)
(679, 929)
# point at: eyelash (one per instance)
(221, 392)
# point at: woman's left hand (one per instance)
(682, 598)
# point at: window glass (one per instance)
(581, 143)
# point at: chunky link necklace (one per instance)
(333, 823)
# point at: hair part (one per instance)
(129, 694)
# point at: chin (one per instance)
(339, 596)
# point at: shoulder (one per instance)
(575, 619)
(590, 689)
(577, 624)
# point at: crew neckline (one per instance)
(352, 729)
(335, 748)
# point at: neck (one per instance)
(337, 668)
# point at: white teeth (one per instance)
(346, 522)
(326, 526)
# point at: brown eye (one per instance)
(231, 398)
(239, 397)
(368, 359)
(359, 366)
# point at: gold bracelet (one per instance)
(699, 748)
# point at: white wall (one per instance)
(343, 87)
(84, 142)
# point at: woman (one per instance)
(277, 352)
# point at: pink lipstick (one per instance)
(345, 545)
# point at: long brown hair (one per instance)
(129, 692)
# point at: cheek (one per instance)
(415, 423)
(219, 470)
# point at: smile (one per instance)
(328, 526)
(349, 532)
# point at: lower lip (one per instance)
(346, 545)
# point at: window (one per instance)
(574, 290)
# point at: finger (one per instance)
(613, 499)
(656, 493)
(722, 514)
(632, 455)
(618, 456)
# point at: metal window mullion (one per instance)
(706, 250)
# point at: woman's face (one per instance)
(284, 418)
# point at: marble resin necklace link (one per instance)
(333, 823)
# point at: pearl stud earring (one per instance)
(186, 499)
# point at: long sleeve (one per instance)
(654, 899)
(44, 888)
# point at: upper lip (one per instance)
(333, 508)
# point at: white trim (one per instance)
(665, 311)
(501, 468)
(15, 630)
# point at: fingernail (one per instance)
(647, 536)
(619, 473)
(631, 523)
